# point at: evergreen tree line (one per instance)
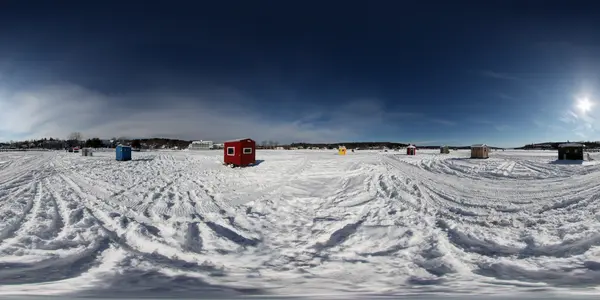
(76, 139)
(554, 145)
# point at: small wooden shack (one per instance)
(411, 150)
(570, 151)
(480, 151)
(444, 150)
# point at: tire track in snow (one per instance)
(204, 205)
(105, 214)
(57, 218)
(70, 212)
(106, 208)
(291, 175)
(336, 220)
(41, 224)
(9, 230)
(501, 167)
(574, 196)
(510, 168)
(136, 241)
(10, 194)
(44, 233)
(21, 173)
(66, 264)
(142, 233)
(209, 198)
(465, 189)
(53, 269)
(5, 164)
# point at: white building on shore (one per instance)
(201, 145)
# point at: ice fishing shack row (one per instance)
(477, 151)
(239, 152)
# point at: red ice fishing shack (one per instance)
(240, 153)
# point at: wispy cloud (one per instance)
(481, 121)
(442, 121)
(580, 133)
(492, 124)
(567, 46)
(568, 118)
(502, 127)
(425, 143)
(498, 75)
(539, 123)
(219, 114)
(437, 142)
(549, 126)
(582, 124)
(507, 97)
(404, 115)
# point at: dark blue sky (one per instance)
(428, 72)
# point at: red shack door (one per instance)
(232, 153)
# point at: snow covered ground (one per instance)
(301, 222)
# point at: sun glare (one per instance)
(584, 105)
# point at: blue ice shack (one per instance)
(123, 153)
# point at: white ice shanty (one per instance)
(201, 145)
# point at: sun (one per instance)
(584, 105)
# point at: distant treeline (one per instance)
(554, 145)
(372, 145)
(159, 143)
(76, 140)
(94, 142)
(351, 145)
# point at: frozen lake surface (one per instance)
(301, 223)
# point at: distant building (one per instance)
(570, 151)
(201, 145)
(444, 150)
(480, 151)
(411, 150)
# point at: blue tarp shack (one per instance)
(123, 153)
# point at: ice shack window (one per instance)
(230, 150)
(247, 150)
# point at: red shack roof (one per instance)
(238, 140)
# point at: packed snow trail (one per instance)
(180, 223)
